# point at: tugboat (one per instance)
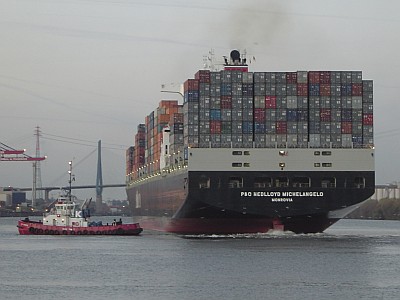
(66, 218)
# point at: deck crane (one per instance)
(10, 154)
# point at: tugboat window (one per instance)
(235, 182)
(301, 182)
(262, 182)
(204, 182)
(328, 182)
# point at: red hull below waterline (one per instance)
(37, 228)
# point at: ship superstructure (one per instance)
(253, 151)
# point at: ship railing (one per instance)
(283, 144)
(147, 173)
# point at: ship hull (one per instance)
(28, 227)
(254, 151)
(175, 203)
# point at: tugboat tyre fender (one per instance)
(31, 229)
(40, 231)
(120, 231)
(79, 232)
(64, 232)
(56, 232)
(51, 231)
(46, 231)
(85, 232)
(98, 232)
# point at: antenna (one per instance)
(209, 61)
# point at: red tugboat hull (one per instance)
(28, 227)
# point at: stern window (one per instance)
(301, 182)
(327, 165)
(359, 182)
(326, 153)
(262, 182)
(235, 182)
(204, 182)
(328, 182)
(282, 182)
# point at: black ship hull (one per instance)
(182, 203)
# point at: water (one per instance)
(353, 259)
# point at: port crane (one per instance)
(9, 154)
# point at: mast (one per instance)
(71, 178)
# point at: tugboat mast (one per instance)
(70, 180)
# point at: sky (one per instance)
(89, 70)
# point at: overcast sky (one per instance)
(85, 70)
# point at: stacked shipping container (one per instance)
(155, 123)
(130, 164)
(140, 146)
(239, 109)
(340, 112)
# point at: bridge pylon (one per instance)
(99, 182)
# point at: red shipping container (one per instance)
(140, 135)
(270, 101)
(259, 115)
(291, 77)
(325, 115)
(346, 127)
(325, 77)
(281, 127)
(215, 127)
(226, 102)
(313, 77)
(325, 89)
(302, 89)
(171, 110)
(203, 76)
(356, 89)
(163, 118)
(368, 119)
(169, 103)
(191, 85)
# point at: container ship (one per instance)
(249, 152)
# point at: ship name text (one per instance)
(281, 194)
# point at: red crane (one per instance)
(9, 154)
